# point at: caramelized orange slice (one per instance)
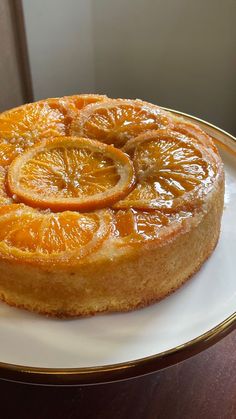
(71, 173)
(117, 121)
(172, 172)
(8, 152)
(70, 106)
(22, 127)
(4, 198)
(136, 226)
(194, 131)
(31, 236)
(73, 104)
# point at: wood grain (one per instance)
(201, 387)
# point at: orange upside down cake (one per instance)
(105, 204)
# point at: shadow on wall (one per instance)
(180, 54)
(176, 53)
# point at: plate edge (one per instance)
(130, 369)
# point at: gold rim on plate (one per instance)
(139, 367)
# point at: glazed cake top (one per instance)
(84, 173)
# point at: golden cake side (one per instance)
(135, 278)
(119, 272)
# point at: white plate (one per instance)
(32, 345)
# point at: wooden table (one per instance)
(202, 387)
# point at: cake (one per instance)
(105, 204)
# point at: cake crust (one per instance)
(134, 279)
(123, 271)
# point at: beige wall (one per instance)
(60, 44)
(11, 89)
(178, 53)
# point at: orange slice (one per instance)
(36, 237)
(75, 103)
(194, 131)
(172, 171)
(135, 226)
(26, 125)
(71, 173)
(22, 127)
(117, 121)
(8, 152)
(71, 105)
(4, 198)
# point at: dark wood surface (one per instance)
(201, 387)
